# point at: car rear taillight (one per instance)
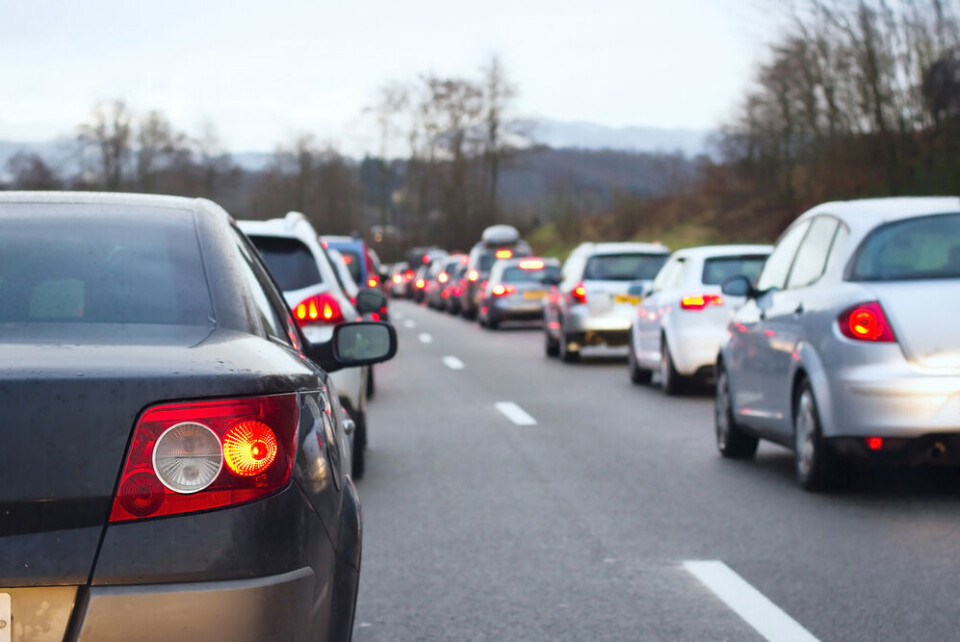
(531, 265)
(420, 284)
(866, 322)
(579, 293)
(319, 308)
(504, 254)
(373, 281)
(457, 291)
(408, 275)
(443, 277)
(473, 276)
(503, 290)
(700, 301)
(201, 455)
(396, 278)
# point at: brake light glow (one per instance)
(319, 308)
(473, 276)
(396, 278)
(531, 265)
(866, 322)
(874, 443)
(191, 456)
(408, 275)
(373, 282)
(420, 284)
(503, 290)
(504, 254)
(579, 293)
(347, 259)
(700, 301)
(443, 277)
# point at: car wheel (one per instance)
(567, 355)
(638, 375)
(732, 441)
(817, 466)
(551, 346)
(493, 322)
(359, 445)
(371, 386)
(670, 380)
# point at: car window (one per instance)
(775, 270)
(517, 274)
(266, 313)
(718, 269)
(665, 275)
(102, 269)
(352, 259)
(918, 248)
(623, 267)
(290, 261)
(812, 255)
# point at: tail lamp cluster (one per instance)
(698, 302)
(579, 293)
(193, 456)
(503, 290)
(319, 308)
(866, 322)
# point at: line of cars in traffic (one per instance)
(177, 459)
(839, 342)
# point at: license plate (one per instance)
(6, 618)
(625, 298)
(532, 294)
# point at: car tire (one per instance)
(732, 441)
(818, 468)
(492, 322)
(359, 460)
(638, 375)
(371, 385)
(567, 355)
(551, 346)
(671, 381)
(469, 315)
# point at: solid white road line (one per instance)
(409, 323)
(747, 602)
(515, 413)
(453, 363)
(425, 338)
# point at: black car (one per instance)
(173, 464)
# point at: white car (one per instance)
(291, 249)
(679, 325)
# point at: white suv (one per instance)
(597, 294)
(291, 249)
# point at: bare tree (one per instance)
(109, 131)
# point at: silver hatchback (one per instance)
(847, 345)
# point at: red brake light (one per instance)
(420, 284)
(443, 277)
(319, 308)
(531, 265)
(408, 275)
(373, 282)
(473, 276)
(396, 278)
(874, 443)
(700, 301)
(201, 455)
(501, 290)
(866, 322)
(457, 291)
(347, 259)
(579, 293)
(504, 254)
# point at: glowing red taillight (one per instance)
(874, 443)
(319, 308)
(504, 254)
(866, 322)
(473, 276)
(201, 455)
(503, 290)
(531, 265)
(443, 277)
(408, 275)
(700, 301)
(373, 282)
(579, 293)
(457, 291)
(420, 284)
(396, 278)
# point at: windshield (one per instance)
(918, 248)
(101, 269)
(719, 269)
(624, 267)
(290, 261)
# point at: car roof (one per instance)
(293, 225)
(622, 248)
(707, 251)
(111, 198)
(870, 212)
(342, 240)
(517, 260)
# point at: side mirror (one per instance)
(738, 286)
(355, 344)
(370, 301)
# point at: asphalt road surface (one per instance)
(513, 497)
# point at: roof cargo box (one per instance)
(500, 235)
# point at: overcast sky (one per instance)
(265, 71)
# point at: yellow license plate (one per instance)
(533, 294)
(625, 298)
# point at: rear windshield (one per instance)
(624, 267)
(352, 259)
(102, 268)
(918, 248)
(718, 270)
(520, 275)
(489, 257)
(290, 261)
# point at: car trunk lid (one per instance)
(923, 315)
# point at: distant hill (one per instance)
(583, 135)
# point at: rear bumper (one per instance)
(517, 310)
(265, 608)
(695, 349)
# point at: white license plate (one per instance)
(6, 618)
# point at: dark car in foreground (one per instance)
(174, 459)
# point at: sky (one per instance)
(265, 72)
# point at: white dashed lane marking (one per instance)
(515, 413)
(409, 323)
(747, 602)
(453, 363)
(425, 338)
